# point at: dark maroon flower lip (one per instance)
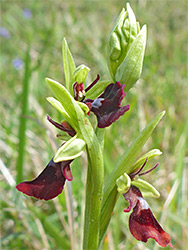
(49, 183)
(142, 223)
(107, 106)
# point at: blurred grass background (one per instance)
(31, 35)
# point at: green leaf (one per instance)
(68, 64)
(97, 89)
(66, 101)
(124, 165)
(146, 188)
(130, 69)
(70, 150)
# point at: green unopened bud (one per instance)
(126, 47)
(123, 183)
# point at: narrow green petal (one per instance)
(149, 155)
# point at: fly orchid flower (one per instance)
(106, 106)
(49, 183)
(142, 223)
(51, 180)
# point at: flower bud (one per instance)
(126, 47)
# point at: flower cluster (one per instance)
(107, 108)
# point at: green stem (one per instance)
(94, 192)
(95, 180)
(100, 132)
(95, 175)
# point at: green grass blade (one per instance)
(22, 120)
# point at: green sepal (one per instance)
(146, 188)
(123, 183)
(141, 160)
(97, 89)
(80, 74)
(84, 107)
(68, 64)
(130, 69)
(66, 100)
(70, 150)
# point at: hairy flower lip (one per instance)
(49, 183)
(107, 106)
(142, 223)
